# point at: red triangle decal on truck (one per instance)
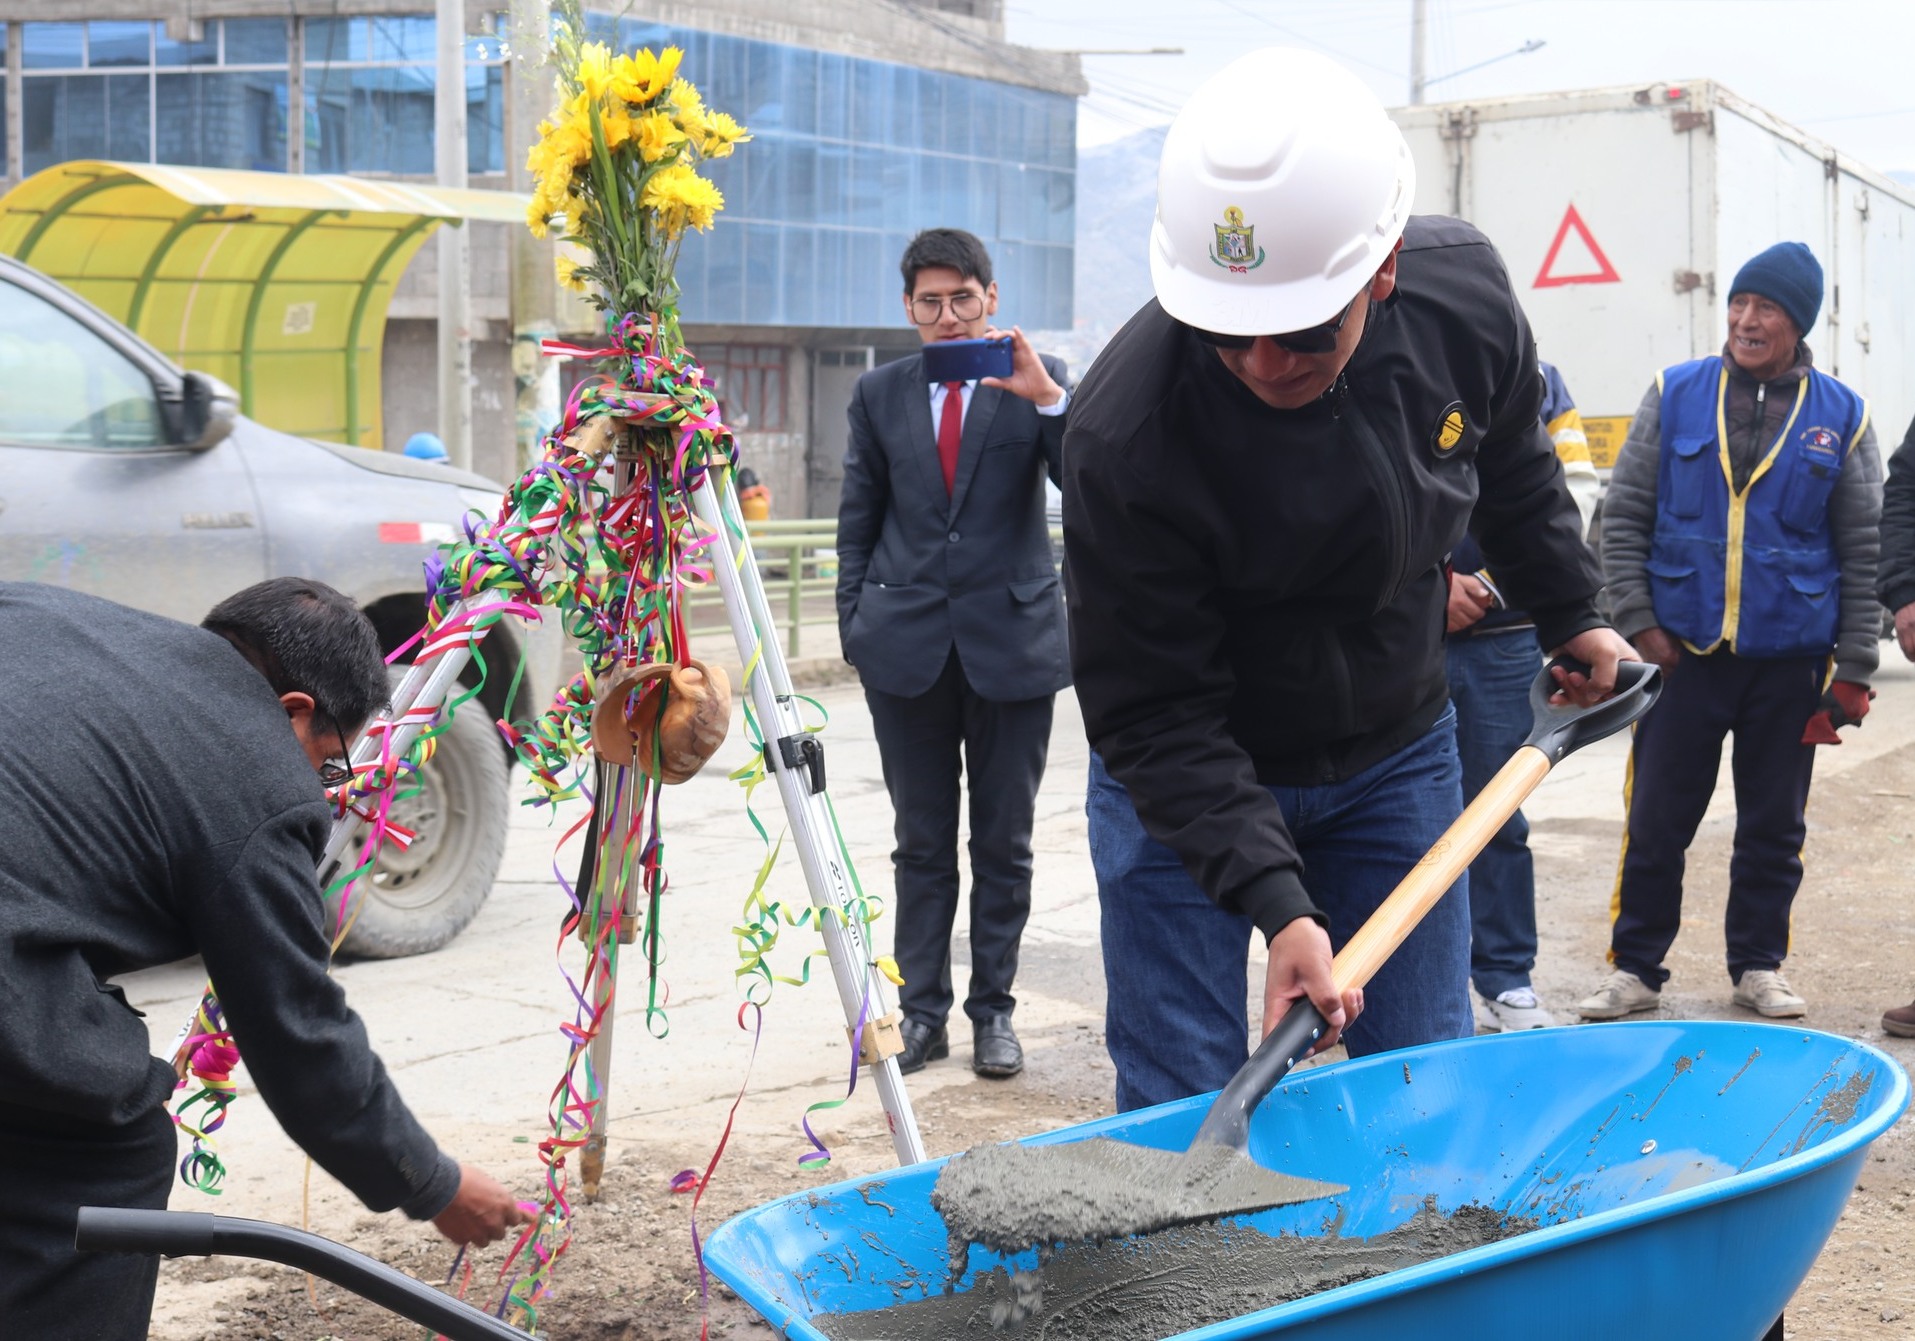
(1604, 273)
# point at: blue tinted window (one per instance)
(485, 119)
(763, 299)
(255, 41)
(65, 118)
(333, 40)
(203, 52)
(404, 39)
(834, 94)
(119, 44)
(722, 295)
(53, 46)
(801, 203)
(219, 120)
(601, 28)
(370, 119)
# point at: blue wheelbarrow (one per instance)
(1684, 1175)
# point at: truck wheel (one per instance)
(417, 899)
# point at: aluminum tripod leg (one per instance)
(860, 987)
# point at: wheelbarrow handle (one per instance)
(197, 1234)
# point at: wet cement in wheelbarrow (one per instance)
(1156, 1285)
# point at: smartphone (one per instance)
(967, 360)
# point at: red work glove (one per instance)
(1844, 703)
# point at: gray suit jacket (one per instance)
(919, 571)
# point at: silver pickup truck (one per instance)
(124, 476)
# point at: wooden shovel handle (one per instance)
(1430, 879)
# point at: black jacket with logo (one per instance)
(1257, 596)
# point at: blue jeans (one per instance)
(1490, 675)
(1176, 965)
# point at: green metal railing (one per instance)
(797, 557)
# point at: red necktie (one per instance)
(950, 429)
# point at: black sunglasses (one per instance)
(336, 771)
(1316, 340)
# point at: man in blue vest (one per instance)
(1740, 545)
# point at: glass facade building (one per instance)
(125, 90)
(849, 156)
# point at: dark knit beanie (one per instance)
(1789, 276)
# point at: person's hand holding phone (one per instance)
(1029, 378)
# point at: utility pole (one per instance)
(455, 276)
(528, 97)
(1419, 48)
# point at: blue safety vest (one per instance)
(1754, 571)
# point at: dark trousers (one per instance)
(1490, 674)
(1672, 772)
(51, 1166)
(1003, 745)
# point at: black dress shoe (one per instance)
(922, 1044)
(995, 1051)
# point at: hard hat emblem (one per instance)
(1449, 429)
(1236, 250)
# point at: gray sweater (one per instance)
(159, 806)
(1855, 510)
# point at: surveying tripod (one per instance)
(793, 756)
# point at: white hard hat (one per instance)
(1282, 188)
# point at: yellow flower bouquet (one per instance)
(619, 161)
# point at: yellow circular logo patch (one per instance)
(1449, 429)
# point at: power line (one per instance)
(1307, 40)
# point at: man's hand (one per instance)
(480, 1210)
(1660, 648)
(1844, 700)
(1029, 378)
(1300, 966)
(1603, 649)
(1470, 600)
(1905, 629)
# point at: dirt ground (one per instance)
(629, 1275)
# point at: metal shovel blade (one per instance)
(1010, 1197)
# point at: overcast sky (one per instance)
(1839, 69)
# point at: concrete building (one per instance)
(870, 120)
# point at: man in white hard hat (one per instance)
(1264, 474)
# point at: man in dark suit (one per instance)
(948, 605)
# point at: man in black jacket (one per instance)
(949, 608)
(1895, 588)
(169, 806)
(1256, 531)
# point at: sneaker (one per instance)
(1767, 992)
(1900, 1021)
(1518, 1008)
(1622, 993)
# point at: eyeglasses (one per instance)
(965, 306)
(1316, 340)
(334, 772)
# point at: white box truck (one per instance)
(1623, 215)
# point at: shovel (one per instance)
(1010, 1197)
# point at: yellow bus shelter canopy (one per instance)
(276, 283)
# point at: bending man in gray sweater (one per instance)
(165, 801)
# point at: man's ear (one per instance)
(299, 711)
(990, 299)
(1383, 284)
